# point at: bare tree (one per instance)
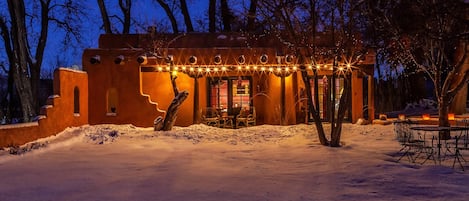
(160, 51)
(25, 58)
(296, 23)
(425, 36)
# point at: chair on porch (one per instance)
(247, 117)
(210, 117)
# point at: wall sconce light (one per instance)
(142, 59)
(217, 59)
(426, 116)
(192, 59)
(119, 60)
(241, 59)
(263, 59)
(451, 116)
(95, 59)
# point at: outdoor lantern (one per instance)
(95, 59)
(192, 59)
(451, 116)
(401, 117)
(426, 116)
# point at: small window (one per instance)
(76, 100)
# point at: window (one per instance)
(76, 101)
(226, 93)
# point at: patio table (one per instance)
(437, 130)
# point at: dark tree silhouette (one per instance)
(424, 36)
(25, 48)
(125, 7)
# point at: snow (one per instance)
(124, 162)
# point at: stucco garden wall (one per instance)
(66, 108)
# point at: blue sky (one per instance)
(146, 12)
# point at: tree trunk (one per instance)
(343, 104)
(173, 108)
(443, 107)
(312, 110)
(187, 18)
(126, 8)
(211, 15)
(171, 113)
(105, 17)
(21, 58)
(226, 16)
(170, 15)
(251, 25)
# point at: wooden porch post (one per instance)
(282, 100)
(371, 98)
(195, 115)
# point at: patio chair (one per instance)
(210, 117)
(412, 145)
(247, 117)
(461, 144)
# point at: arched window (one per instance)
(112, 103)
(76, 100)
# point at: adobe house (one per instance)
(129, 78)
(126, 80)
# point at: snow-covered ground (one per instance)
(123, 162)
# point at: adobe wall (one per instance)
(158, 86)
(60, 113)
(266, 96)
(118, 86)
